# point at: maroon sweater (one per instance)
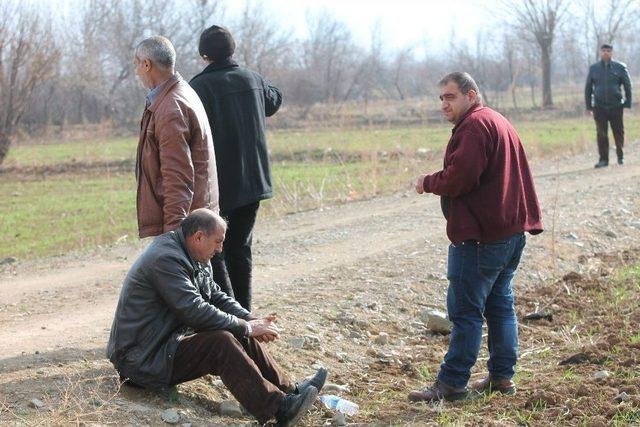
(486, 185)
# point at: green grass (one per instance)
(65, 212)
(539, 137)
(51, 214)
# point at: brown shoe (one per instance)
(438, 391)
(489, 386)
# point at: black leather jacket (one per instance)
(604, 83)
(166, 295)
(237, 101)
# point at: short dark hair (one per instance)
(216, 44)
(204, 220)
(464, 81)
(606, 46)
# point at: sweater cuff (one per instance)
(426, 185)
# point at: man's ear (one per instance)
(473, 96)
(198, 235)
(147, 64)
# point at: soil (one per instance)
(341, 276)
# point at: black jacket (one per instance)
(166, 295)
(237, 101)
(604, 83)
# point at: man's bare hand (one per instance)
(420, 184)
(265, 329)
(590, 113)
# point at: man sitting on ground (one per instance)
(173, 324)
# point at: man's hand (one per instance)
(420, 184)
(265, 329)
(590, 112)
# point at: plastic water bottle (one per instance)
(339, 404)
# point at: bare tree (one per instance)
(261, 42)
(607, 22)
(540, 19)
(28, 57)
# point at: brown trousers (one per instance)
(243, 364)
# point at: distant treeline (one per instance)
(66, 67)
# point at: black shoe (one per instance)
(295, 406)
(621, 161)
(601, 164)
(317, 381)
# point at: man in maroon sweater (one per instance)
(489, 200)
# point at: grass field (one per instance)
(46, 213)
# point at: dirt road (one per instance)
(53, 304)
(311, 266)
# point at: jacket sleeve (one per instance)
(176, 167)
(227, 304)
(181, 295)
(272, 99)
(626, 83)
(463, 169)
(588, 91)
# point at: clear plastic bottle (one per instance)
(339, 404)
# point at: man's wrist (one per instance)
(248, 329)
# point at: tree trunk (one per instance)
(5, 141)
(545, 56)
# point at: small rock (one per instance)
(296, 342)
(539, 315)
(600, 375)
(36, 403)
(171, 416)
(230, 408)
(362, 324)
(622, 397)
(355, 334)
(8, 260)
(436, 321)
(611, 234)
(573, 236)
(339, 419)
(335, 388)
(311, 341)
(382, 338)
(40, 372)
(372, 306)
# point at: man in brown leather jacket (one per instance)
(175, 165)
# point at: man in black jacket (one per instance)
(603, 96)
(173, 324)
(237, 102)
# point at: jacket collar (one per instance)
(215, 66)
(471, 110)
(182, 240)
(163, 89)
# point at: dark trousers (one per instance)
(243, 364)
(232, 268)
(603, 117)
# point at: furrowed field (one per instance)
(72, 195)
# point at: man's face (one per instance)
(142, 69)
(606, 54)
(454, 103)
(205, 247)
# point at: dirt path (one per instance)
(49, 305)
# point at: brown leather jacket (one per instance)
(176, 164)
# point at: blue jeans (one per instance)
(480, 276)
